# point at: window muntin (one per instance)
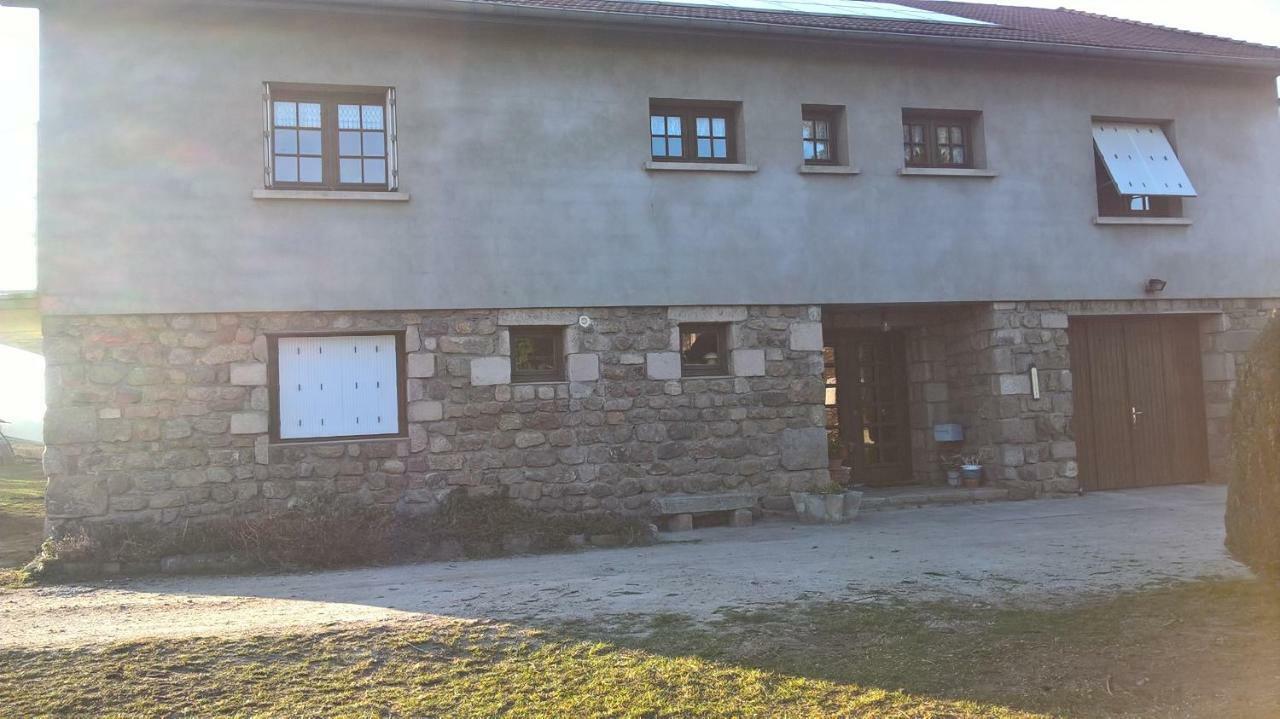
(818, 138)
(692, 132)
(321, 138)
(337, 386)
(704, 349)
(937, 140)
(537, 354)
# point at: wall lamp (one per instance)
(1155, 284)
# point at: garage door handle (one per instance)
(1134, 412)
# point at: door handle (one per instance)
(1133, 414)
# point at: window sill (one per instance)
(946, 172)
(829, 170)
(380, 196)
(358, 439)
(699, 167)
(1147, 221)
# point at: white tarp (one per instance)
(1140, 160)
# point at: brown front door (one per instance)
(1139, 404)
(871, 392)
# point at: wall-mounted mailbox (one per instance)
(948, 433)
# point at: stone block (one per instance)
(804, 448)
(707, 313)
(517, 318)
(421, 364)
(249, 374)
(1218, 367)
(487, 371)
(662, 365)
(70, 425)
(249, 423)
(583, 367)
(426, 411)
(748, 362)
(740, 518)
(679, 504)
(1053, 320)
(1008, 384)
(680, 523)
(806, 337)
(71, 497)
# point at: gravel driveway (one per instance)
(1009, 552)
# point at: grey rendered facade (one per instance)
(523, 185)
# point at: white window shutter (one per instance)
(267, 149)
(1140, 160)
(393, 167)
(338, 386)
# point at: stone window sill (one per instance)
(343, 195)
(652, 166)
(947, 173)
(535, 383)
(308, 442)
(1144, 221)
(829, 170)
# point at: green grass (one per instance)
(1210, 649)
(22, 489)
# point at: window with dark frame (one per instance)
(704, 349)
(1113, 204)
(321, 138)
(937, 139)
(819, 137)
(688, 132)
(537, 354)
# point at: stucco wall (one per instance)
(522, 147)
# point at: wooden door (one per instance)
(1139, 406)
(871, 393)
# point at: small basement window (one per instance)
(337, 386)
(321, 137)
(537, 354)
(687, 131)
(704, 349)
(938, 138)
(1137, 172)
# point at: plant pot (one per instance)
(834, 508)
(953, 478)
(971, 475)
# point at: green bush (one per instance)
(1253, 499)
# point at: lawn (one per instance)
(21, 512)
(1206, 649)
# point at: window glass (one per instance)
(537, 354)
(702, 349)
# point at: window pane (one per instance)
(942, 135)
(308, 142)
(917, 134)
(808, 150)
(703, 126)
(698, 347)
(656, 124)
(673, 125)
(287, 142)
(658, 146)
(720, 148)
(349, 171)
(349, 144)
(820, 128)
(533, 352)
(286, 168)
(309, 114)
(371, 116)
(310, 169)
(957, 155)
(944, 155)
(704, 148)
(822, 151)
(374, 144)
(349, 117)
(675, 147)
(957, 136)
(807, 132)
(717, 127)
(375, 171)
(286, 114)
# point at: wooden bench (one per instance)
(678, 509)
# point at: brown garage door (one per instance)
(1139, 401)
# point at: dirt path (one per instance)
(1045, 550)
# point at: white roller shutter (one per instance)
(1140, 160)
(338, 386)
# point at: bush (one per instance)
(1253, 499)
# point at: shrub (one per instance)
(1253, 499)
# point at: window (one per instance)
(1137, 172)
(685, 132)
(818, 136)
(537, 354)
(322, 138)
(704, 350)
(337, 386)
(937, 139)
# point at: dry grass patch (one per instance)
(21, 512)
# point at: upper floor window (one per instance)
(937, 139)
(1137, 171)
(537, 354)
(322, 137)
(693, 132)
(818, 136)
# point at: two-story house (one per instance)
(585, 253)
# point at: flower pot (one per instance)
(832, 508)
(971, 475)
(953, 478)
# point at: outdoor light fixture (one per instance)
(1035, 382)
(1155, 284)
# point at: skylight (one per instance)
(845, 8)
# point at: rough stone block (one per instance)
(680, 523)
(1053, 320)
(248, 423)
(422, 364)
(71, 497)
(748, 362)
(706, 313)
(70, 425)
(804, 448)
(583, 367)
(1013, 384)
(679, 504)
(517, 318)
(740, 518)
(426, 411)
(806, 337)
(662, 365)
(249, 374)
(487, 371)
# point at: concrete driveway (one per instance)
(1011, 552)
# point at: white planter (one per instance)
(826, 508)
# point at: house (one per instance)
(586, 253)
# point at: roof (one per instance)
(1010, 25)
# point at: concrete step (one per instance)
(903, 497)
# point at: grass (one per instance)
(1209, 649)
(21, 515)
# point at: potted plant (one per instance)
(970, 471)
(827, 504)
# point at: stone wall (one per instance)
(162, 418)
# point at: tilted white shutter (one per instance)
(393, 167)
(1140, 160)
(267, 140)
(338, 386)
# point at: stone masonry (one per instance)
(165, 417)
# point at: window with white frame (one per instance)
(327, 387)
(321, 137)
